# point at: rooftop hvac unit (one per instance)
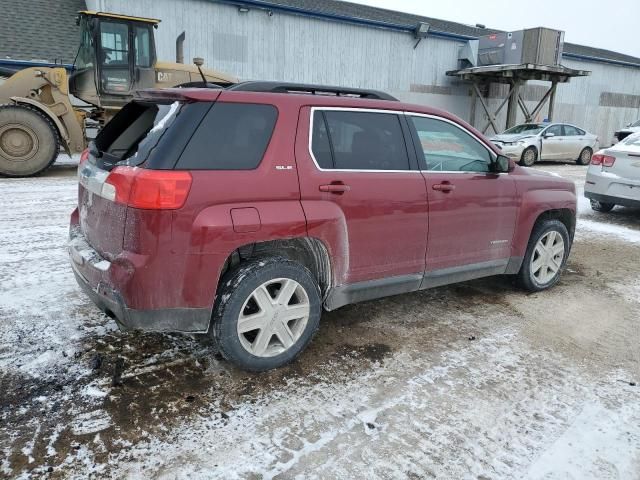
(541, 46)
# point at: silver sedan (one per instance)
(613, 178)
(530, 142)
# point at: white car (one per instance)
(530, 142)
(626, 131)
(613, 178)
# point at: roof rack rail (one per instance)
(279, 87)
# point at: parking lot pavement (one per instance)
(476, 380)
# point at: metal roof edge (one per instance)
(263, 4)
(589, 58)
(343, 18)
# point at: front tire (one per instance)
(546, 256)
(585, 156)
(601, 206)
(529, 157)
(29, 141)
(266, 313)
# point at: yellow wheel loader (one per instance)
(117, 56)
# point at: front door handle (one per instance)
(443, 187)
(338, 188)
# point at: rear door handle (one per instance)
(337, 188)
(443, 187)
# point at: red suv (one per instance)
(244, 212)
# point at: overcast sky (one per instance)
(613, 24)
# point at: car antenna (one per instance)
(198, 61)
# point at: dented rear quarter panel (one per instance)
(204, 228)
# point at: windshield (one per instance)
(85, 58)
(531, 128)
(632, 140)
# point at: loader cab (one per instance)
(116, 57)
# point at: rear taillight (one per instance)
(604, 160)
(84, 156)
(148, 189)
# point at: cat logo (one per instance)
(164, 77)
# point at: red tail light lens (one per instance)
(84, 156)
(604, 160)
(148, 189)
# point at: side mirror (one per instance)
(503, 164)
(549, 135)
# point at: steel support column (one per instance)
(472, 113)
(512, 108)
(552, 100)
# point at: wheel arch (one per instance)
(539, 205)
(564, 215)
(308, 251)
(63, 133)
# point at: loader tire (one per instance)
(29, 141)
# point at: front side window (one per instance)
(85, 57)
(556, 130)
(448, 148)
(114, 43)
(360, 140)
(233, 136)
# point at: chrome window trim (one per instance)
(350, 109)
(394, 112)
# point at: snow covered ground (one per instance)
(477, 380)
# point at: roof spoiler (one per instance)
(179, 94)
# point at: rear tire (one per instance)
(602, 207)
(585, 156)
(29, 141)
(529, 157)
(546, 256)
(266, 313)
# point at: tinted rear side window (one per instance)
(320, 145)
(366, 141)
(232, 136)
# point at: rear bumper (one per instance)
(94, 276)
(608, 187)
(624, 202)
